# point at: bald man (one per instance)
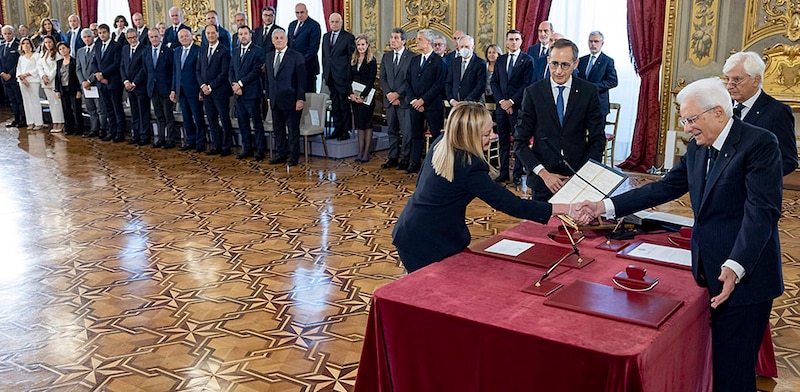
(338, 46)
(304, 36)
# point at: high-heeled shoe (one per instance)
(38, 127)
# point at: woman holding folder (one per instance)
(455, 171)
(364, 68)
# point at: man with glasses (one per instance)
(564, 112)
(262, 36)
(512, 73)
(304, 36)
(745, 74)
(732, 172)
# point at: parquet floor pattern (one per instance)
(127, 268)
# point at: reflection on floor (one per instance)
(129, 268)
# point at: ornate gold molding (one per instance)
(703, 31)
(369, 21)
(194, 12)
(485, 22)
(424, 14)
(668, 56)
(511, 20)
(766, 18)
(782, 74)
(348, 15)
(35, 11)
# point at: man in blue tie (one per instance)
(575, 129)
(598, 68)
(158, 69)
(74, 35)
(186, 90)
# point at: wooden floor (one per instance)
(129, 268)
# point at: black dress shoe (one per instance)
(259, 156)
(187, 147)
(333, 136)
(214, 151)
(245, 154)
(517, 180)
(13, 124)
(90, 134)
(168, 146)
(132, 141)
(158, 144)
(119, 139)
(403, 165)
(344, 136)
(277, 160)
(106, 138)
(293, 162)
(412, 169)
(501, 178)
(392, 162)
(199, 149)
(225, 152)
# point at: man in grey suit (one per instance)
(84, 56)
(394, 65)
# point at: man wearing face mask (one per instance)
(466, 79)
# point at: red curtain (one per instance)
(136, 6)
(646, 32)
(87, 10)
(331, 6)
(255, 11)
(529, 14)
(2, 20)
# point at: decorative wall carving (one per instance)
(704, 31)
(782, 74)
(670, 25)
(35, 11)
(369, 22)
(194, 13)
(766, 18)
(415, 15)
(485, 21)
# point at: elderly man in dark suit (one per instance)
(285, 76)
(105, 67)
(215, 91)
(245, 77)
(157, 62)
(732, 171)
(425, 79)
(74, 35)
(338, 46)
(745, 74)
(598, 68)
(541, 48)
(135, 82)
(564, 111)
(9, 55)
(466, 80)
(84, 57)
(171, 34)
(304, 37)
(394, 67)
(512, 73)
(186, 91)
(262, 36)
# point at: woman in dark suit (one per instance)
(121, 24)
(364, 68)
(68, 89)
(455, 171)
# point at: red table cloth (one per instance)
(464, 325)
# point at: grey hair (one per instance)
(751, 61)
(597, 32)
(278, 30)
(87, 32)
(428, 34)
(465, 36)
(180, 13)
(707, 93)
(7, 27)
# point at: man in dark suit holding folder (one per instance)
(732, 172)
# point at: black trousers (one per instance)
(736, 335)
(140, 115)
(193, 121)
(163, 108)
(14, 97)
(112, 108)
(218, 111)
(286, 122)
(73, 120)
(247, 110)
(435, 123)
(340, 109)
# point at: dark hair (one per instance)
(245, 27)
(216, 28)
(562, 43)
(103, 27)
(513, 31)
(117, 19)
(60, 44)
(269, 8)
(400, 31)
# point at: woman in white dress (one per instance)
(47, 71)
(28, 76)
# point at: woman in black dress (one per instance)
(364, 68)
(68, 90)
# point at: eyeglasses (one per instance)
(691, 120)
(438, 44)
(556, 65)
(733, 82)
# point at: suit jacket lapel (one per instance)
(723, 158)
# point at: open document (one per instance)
(358, 89)
(577, 189)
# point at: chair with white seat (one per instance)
(312, 121)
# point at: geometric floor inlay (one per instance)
(130, 268)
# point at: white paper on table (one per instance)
(576, 189)
(314, 117)
(664, 254)
(93, 92)
(509, 247)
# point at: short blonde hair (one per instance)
(462, 131)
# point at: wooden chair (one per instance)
(493, 153)
(312, 121)
(611, 138)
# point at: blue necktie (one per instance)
(589, 67)
(712, 158)
(155, 57)
(560, 105)
(510, 66)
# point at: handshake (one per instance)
(582, 213)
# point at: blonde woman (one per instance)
(46, 64)
(364, 68)
(455, 171)
(28, 76)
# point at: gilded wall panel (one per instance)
(486, 20)
(703, 32)
(782, 73)
(194, 12)
(369, 22)
(35, 11)
(768, 18)
(415, 15)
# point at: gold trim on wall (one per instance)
(703, 32)
(348, 15)
(511, 20)
(782, 74)
(485, 20)
(781, 17)
(438, 18)
(668, 56)
(369, 21)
